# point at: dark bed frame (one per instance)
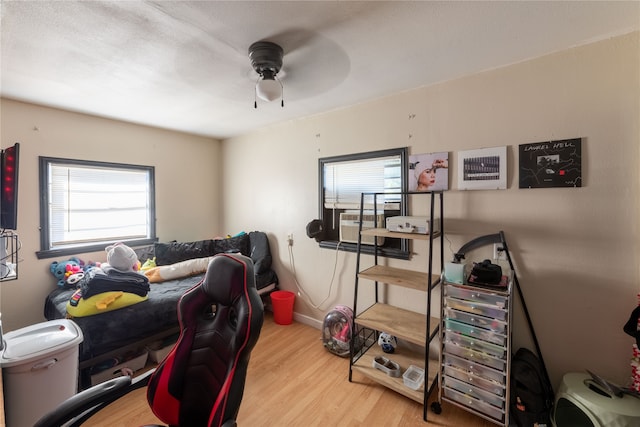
(115, 333)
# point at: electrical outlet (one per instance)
(498, 252)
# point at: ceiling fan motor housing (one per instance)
(266, 58)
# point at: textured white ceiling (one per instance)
(183, 65)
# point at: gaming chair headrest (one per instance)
(225, 279)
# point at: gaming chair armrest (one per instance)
(78, 408)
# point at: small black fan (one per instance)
(336, 330)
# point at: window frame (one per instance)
(45, 250)
(402, 250)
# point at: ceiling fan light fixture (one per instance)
(266, 60)
(268, 88)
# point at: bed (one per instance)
(111, 334)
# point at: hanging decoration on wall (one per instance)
(429, 172)
(551, 164)
(483, 169)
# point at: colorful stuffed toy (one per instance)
(387, 342)
(73, 274)
(59, 269)
(148, 264)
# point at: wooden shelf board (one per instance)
(404, 358)
(383, 232)
(398, 276)
(404, 324)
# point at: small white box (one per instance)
(411, 224)
(413, 377)
(134, 364)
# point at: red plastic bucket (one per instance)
(282, 302)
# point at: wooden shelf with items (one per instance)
(414, 331)
(399, 276)
(404, 357)
(403, 324)
(383, 232)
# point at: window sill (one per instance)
(54, 253)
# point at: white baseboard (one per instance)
(309, 321)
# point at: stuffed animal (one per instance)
(387, 342)
(148, 264)
(73, 274)
(59, 269)
(122, 258)
(90, 264)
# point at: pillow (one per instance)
(238, 243)
(144, 253)
(179, 270)
(100, 303)
(174, 252)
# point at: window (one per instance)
(85, 206)
(342, 181)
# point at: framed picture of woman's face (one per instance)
(429, 172)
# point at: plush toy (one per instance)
(387, 342)
(89, 265)
(73, 274)
(59, 269)
(122, 258)
(149, 264)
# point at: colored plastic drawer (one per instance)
(475, 368)
(475, 332)
(475, 344)
(476, 356)
(482, 309)
(472, 402)
(477, 320)
(476, 296)
(488, 385)
(473, 391)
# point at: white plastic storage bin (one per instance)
(39, 369)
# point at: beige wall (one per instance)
(187, 173)
(575, 249)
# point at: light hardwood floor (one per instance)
(294, 381)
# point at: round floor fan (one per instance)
(336, 330)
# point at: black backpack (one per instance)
(531, 395)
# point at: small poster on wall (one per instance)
(429, 172)
(551, 164)
(483, 169)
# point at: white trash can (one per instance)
(39, 369)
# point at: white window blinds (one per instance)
(93, 204)
(344, 182)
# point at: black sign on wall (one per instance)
(551, 164)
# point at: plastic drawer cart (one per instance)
(39, 369)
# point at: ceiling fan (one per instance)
(266, 60)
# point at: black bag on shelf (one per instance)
(485, 273)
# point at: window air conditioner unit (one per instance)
(350, 223)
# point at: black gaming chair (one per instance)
(201, 381)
